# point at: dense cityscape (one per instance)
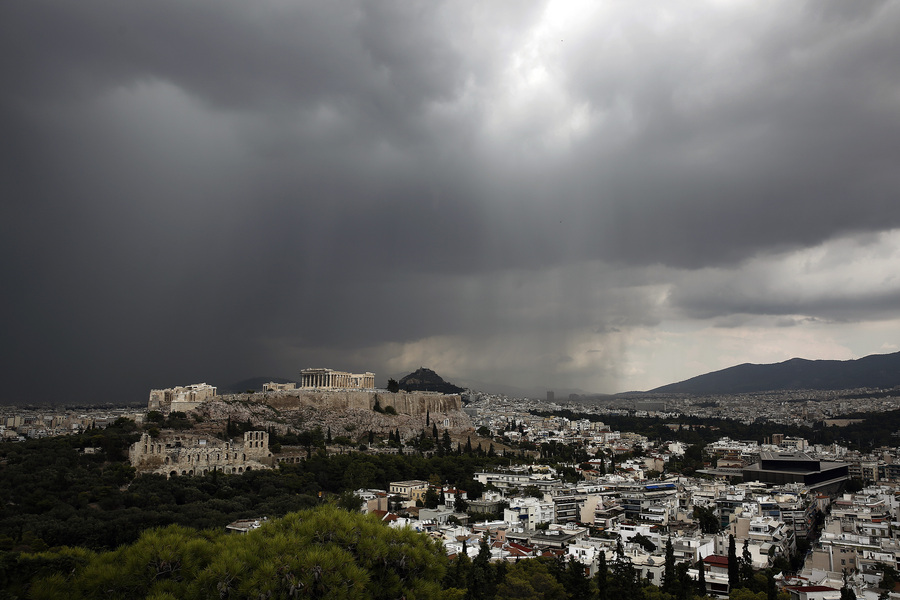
(552, 482)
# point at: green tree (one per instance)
(701, 578)
(426, 444)
(457, 577)
(709, 522)
(734, 578)
(577, 585)
(602, 577)
(431, 498)
(645, 543)
(533, 491)
(668, 583)
(481, 580)
(349, 501)
(392, 386)
(745, 594)
(320, 553)
(460, 504)
(746, 566)
(530, 580)
(625, 583)
(889, 576)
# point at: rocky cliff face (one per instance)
(407, 403)
(340, 410)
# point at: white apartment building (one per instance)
(528, 512)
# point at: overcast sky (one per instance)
(600, 196)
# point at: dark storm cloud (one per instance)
(850, 279)
(199, 190)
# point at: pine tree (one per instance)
(733, 568)
(459, 503)
(577, 585)
(447, 442)
(683, 587)
(602, 577)
(287, 555)
(481, 580)
(458, 576)
(701, 578)
(668, 582)
(625, 584)
(746, 565)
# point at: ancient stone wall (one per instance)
(196, 454)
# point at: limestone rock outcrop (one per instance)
(344, 411)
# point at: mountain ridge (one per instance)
(875, 370)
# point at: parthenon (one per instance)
(331, 379)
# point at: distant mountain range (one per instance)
(875, 371)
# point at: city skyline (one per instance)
(579, 196)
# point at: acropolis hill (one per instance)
(345, 412)
(285, 407)
(407, 403)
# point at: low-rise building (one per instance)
(528, 512)
(413, 489)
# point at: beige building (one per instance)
(411, 490)
(180, 398)
(178, 453)
(278, 387)
(331, 379)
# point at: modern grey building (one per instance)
(798, 467)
